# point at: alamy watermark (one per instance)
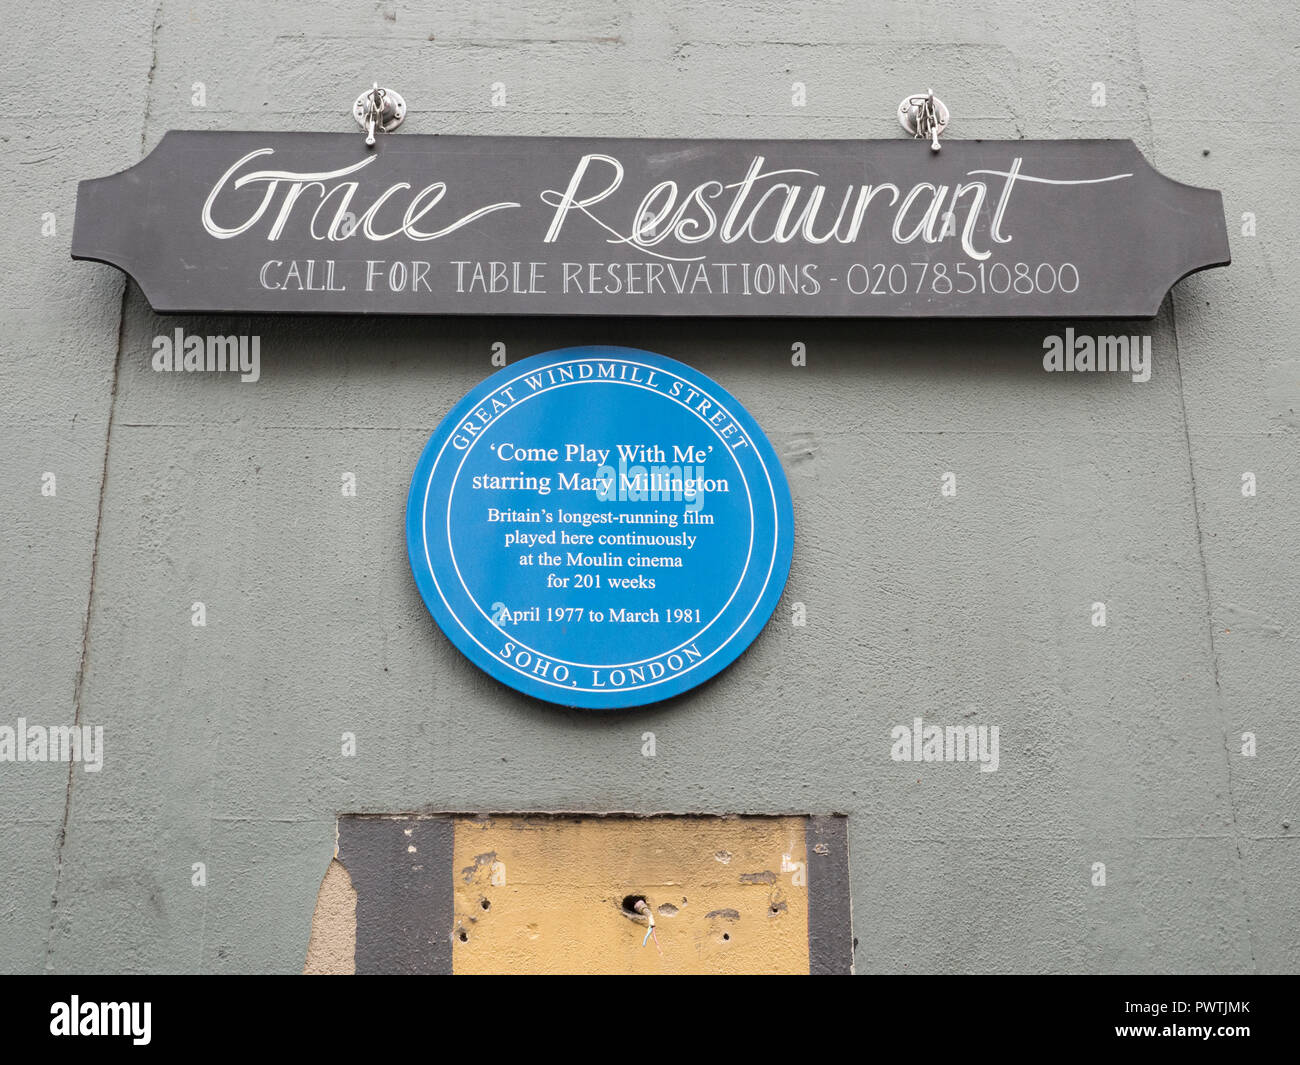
(1098, 354)
(920, 742)
(643, 475)
(57, 743)
(74, 1017)
(179, 353)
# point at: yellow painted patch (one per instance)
(546, 895)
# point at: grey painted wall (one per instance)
(1118, 744)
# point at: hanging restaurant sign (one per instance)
(319, 223)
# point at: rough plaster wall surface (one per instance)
(222, 744)
(331, 950)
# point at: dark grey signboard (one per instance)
(317, 223)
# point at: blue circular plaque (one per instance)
(600, 527)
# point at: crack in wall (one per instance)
(1196, 516)
(1196, 522)
(79, 683)
(1213, 644)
